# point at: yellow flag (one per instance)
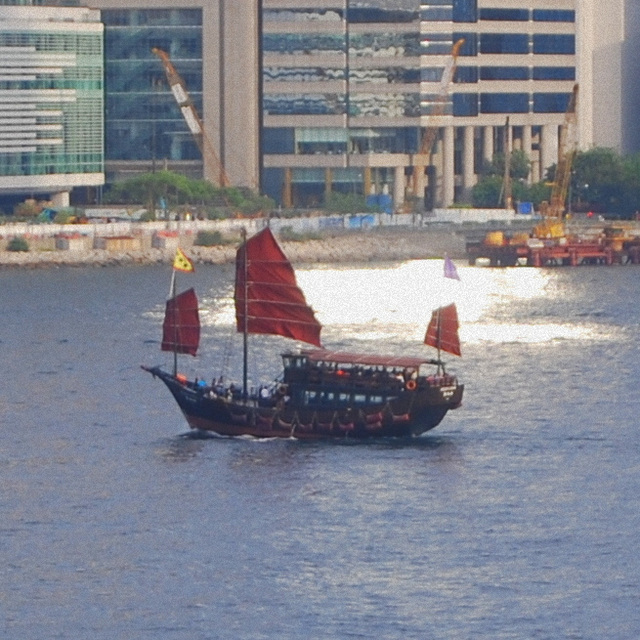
(181, 262)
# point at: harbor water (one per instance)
(517, 517)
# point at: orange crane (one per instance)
(430, 134)
(195, 124)
(553, 213)
(566, 153)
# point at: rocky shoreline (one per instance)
(363, 246)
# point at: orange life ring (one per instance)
(411, 385)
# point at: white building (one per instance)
(51, 101)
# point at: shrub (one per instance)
(208, 238)
(18, 244)
(287, 234)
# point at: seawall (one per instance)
(364, 245)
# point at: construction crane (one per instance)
(430, 134)
(553, 213)
(212, 164)
(566, 153)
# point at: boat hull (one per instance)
(411, 414)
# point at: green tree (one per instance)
(180, 192)
(539, 192)
(631, 182)
(598, 177)
(337, 202)
(519, 167)
(486, 193)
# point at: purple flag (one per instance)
(450, 270)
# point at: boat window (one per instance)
(376, 399)
(359, 398)
(344, 397)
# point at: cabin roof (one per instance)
(344, 357)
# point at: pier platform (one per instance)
(543, 254)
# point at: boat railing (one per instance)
(445, 380)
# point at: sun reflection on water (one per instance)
(381, 302)
(378, 303)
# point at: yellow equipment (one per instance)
(553, 212)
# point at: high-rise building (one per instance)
(350, 88)
(213, 46)
(51, 100)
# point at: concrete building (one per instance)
(609, 74)
(51, 100)
(213, 45)
(349, 89)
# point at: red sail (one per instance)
(274, 303)
(442, 332)
(181, 328)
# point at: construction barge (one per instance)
(607, 246)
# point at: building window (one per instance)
(399, 45)
(302, 15)
(552, 43)
(465, 10)
(382, 14)
(470, 46)
(504, 73)
(550, 102)
(278, 140)
(280, 104)
(465, 104)
(466, 75)
(505, 14)
(436, 44)
(554, 73)
(384, 140)
(554, 15)
(431, 104)
(504, 102)
(504, 43)
(302, 74)
(384, 104)
(385, 75)
(437, 14)
(321, 140)
(304, 43)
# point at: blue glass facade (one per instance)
(143, 121)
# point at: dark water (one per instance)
(517, 518)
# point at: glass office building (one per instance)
(213, 46)
(51, 100)
(143, 122)
(350, 87)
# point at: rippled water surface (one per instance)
(518, 517)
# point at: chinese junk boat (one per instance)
(321, 394)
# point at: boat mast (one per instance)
(245, 324)
(172, 294)
(438, 335)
